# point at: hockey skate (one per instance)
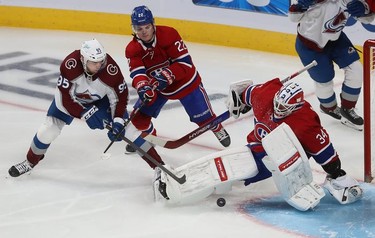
(160, 188)
(223, 137)
(129, 149)
(335, 113)
(344, 189)
(351, 119)
(20, 168)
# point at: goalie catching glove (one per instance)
(234, 102)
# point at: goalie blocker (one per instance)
(217, 172)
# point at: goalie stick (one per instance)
(173, 144)
(180, 180)
(307, 67)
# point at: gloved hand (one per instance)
(162, 79)
(235, 105)
(357, 8)
(93, 118)
(117, 127)
(306, 3)
(146, 92)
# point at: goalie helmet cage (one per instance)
(369, 108)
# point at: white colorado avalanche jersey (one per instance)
(323, 21)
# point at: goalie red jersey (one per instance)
(166, 51)
(304, 122)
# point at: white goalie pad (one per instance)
(213, 173)
(290, 169)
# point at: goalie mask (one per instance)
(287, 100)
(92, 51)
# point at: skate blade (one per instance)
(347, 123)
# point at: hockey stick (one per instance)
(123, 128)
(173, 144)
(180, 180)
(307, 67)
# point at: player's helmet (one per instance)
(92, 50)
(141, 15)
(288, 99)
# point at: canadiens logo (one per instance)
(335, 24)
(156, 69)
(260, 131)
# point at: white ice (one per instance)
(74, 193)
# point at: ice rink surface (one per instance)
(74, 193)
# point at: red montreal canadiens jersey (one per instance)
(304, 122)
(75, 88)
(167, 51)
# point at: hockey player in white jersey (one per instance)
(320, 37)
(90, 87)
(286, 133)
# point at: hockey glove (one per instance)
(162, 79)
(146, 92)
(117, 128)
(357, 8)
(235, 105)
(93, 118)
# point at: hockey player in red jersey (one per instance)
(286, 133)
(273, 104)
(91, 87)
(162, 69)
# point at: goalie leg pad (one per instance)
(215, 172)
(290, 169)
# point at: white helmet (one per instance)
(92, 50)
(287, 100)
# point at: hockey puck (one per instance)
(221, 202)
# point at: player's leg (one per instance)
(198, 107)
(347, 58)
(46, 134)
(142, 119)
(290, 168)
(323, 75)
(134, 134)
(141, 122)
(213, 173)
